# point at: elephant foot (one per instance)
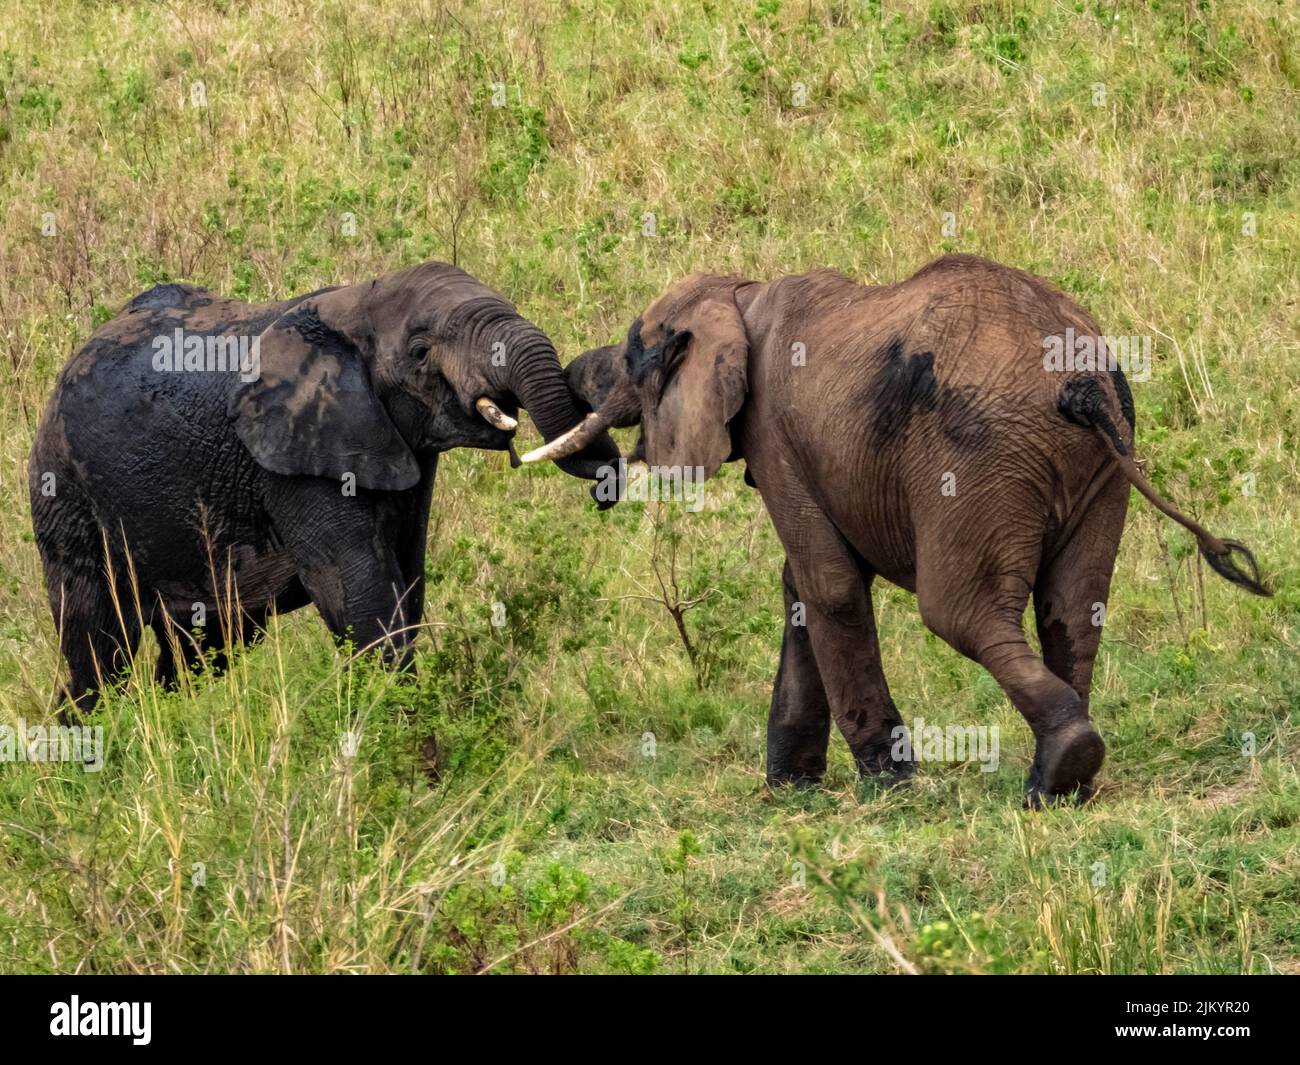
(878, 764)
(801, 781)
(795, 757)
(898, 777)
(1065, 763)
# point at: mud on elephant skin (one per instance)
(284, 453)
(912, 432)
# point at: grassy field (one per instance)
(602, 807)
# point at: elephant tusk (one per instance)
(572, 441)
(495, 416)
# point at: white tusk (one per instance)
(574, 440)
(493, 414)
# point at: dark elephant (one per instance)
(915, 432)
(199, 453)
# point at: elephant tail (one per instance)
(1083, 401)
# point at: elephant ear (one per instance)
(703, 377)
(312, 410)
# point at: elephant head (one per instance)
(365, 378)
(682, 373)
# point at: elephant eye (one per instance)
(664, 356)
(419, 348)
(672, 348)
(669, 354)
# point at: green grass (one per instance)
(554, 842)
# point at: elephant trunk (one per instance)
(534, 377)
(599, 379)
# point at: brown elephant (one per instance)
(203, 462)
(914, 432)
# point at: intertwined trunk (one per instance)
(535, 378)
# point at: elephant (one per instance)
(916, 432)
(203, 462)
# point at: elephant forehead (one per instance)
(645, 344)
(594, 373)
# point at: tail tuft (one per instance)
(1083, 401)
(1224, 565)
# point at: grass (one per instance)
(602, 807)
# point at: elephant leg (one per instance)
(1070, 601)
(978, 608)
(97, 624)
(361, 595)
(197, 649)
(1072, 589)
(1068, 751)
(835, 591)
(97, 642)
(173, 641)
(252, 627)
(165, 673)
(362, 602)
(345, 560)
(799, 723)
(407, 516)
